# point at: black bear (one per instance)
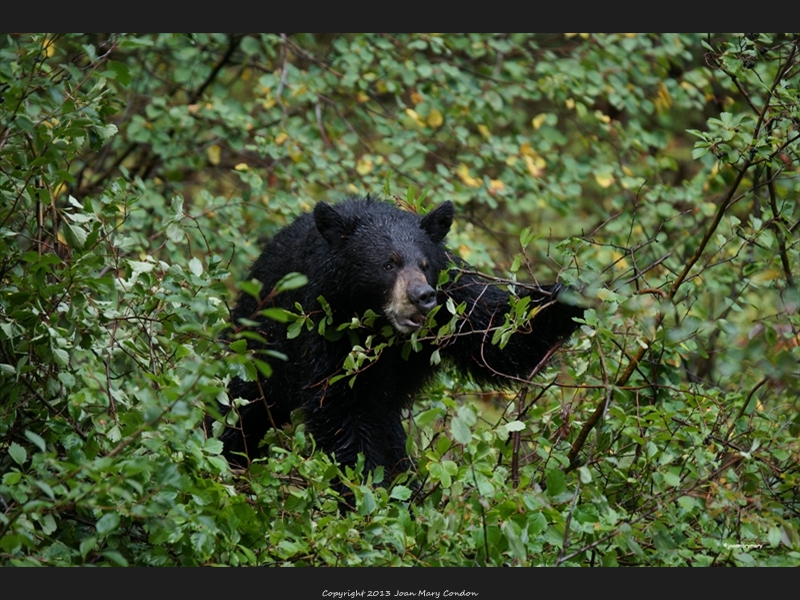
(362, 255)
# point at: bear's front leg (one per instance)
(379, 436)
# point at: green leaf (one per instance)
(672, 479)
(45, 487)
(87, 545)
(585, 474)
(400, 492)
(515, 545)
(774, 536)
(107, 523)
(239, 346)
(36, 439)
(17, 453)
(106, 131)
(60, 356)
(278, 314)
(251, 288)
(120, 72)
(196, 267)
(75, 235)
(556, 482)
(175, 232)
(12, 477)
(115, 557)
(292, 281)
(460, 431)
(435, 358)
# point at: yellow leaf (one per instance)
(295, 153)
(535, 165)
(281, 137)
(765, 276)
(497, 185)
(49, 47)
(604, 179)
(464, 251)
(362, 97)
(484, 131)
(363, 166)
(663, 99)
(213, 153)
(463, 174)
(242, 167)
(539, 120)
(601, 117)
(416, 98)
(619, 261)
(627, 171)
(435, 118)
(247, 73)
(570, 103)
(527, 150)
(415, 116)
(605, 295)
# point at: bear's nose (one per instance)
(423, 297)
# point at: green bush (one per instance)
(656, 174)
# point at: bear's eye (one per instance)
(389, 266)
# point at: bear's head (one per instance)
(384, 259)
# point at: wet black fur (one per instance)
(344, 251)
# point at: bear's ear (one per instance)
(330, 224)
(437, 222)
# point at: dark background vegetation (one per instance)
(656, 174)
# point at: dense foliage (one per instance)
(655, 174)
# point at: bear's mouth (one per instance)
(415, 321)
(406, 323)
